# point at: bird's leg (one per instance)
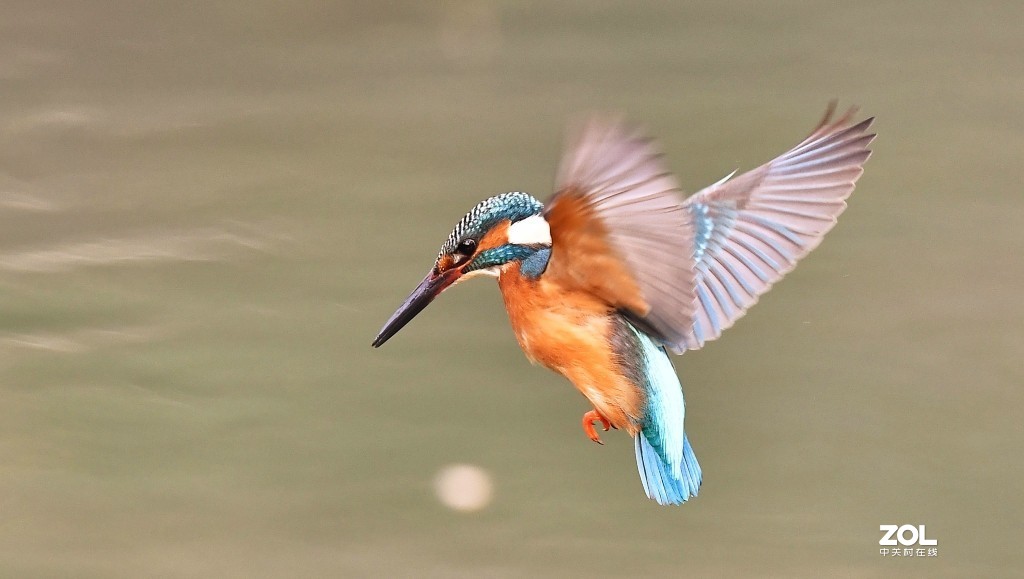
(588, 425)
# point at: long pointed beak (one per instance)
(429, 288)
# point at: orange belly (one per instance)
(570, 332)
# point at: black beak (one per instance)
(429, 288)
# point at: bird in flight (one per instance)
(619, 270)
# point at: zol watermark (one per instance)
(906, 541)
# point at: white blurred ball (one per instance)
(464, 487)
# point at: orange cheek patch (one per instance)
(496, 237)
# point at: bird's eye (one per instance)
(466, 247)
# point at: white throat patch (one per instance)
(486, 272)
(533, 230)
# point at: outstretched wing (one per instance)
(619, 230)
(750, 231)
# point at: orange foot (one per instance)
(588, 425)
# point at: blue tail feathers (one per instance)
(666, 463)
(660, 482)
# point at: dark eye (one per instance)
(466, 247)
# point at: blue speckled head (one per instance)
(514, 206)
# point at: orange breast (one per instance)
(569, 331)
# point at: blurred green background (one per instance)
(207, 210)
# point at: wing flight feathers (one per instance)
(684, 271)
(619, 229)
(751, 230)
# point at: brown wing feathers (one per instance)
(619, 229)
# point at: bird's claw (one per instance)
(588, 425)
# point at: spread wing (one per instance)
(750, 231)
(619, 230)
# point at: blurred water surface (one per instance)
(207, 211)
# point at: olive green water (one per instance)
(207, 211)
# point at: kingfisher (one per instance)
(619, 270)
